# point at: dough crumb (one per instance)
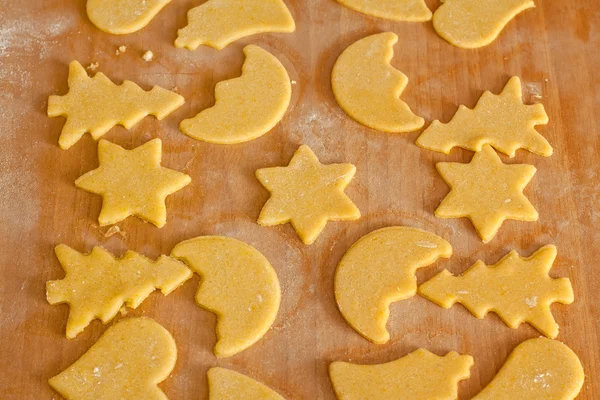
(121, 49)
(148, 56)
(114, 229)
(92, 67)
(294, 82)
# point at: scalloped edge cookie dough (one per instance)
(379, 269)
(246, 107)
(217, 23)
(368, 88)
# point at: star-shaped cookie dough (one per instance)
(487, 192)
(307, 194)
(132, 182)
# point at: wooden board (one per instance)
(554, 48)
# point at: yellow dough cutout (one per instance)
(475, 23)
(307, 194)
(487, 192)
(238, 284)
(540, 369)
(518, 289)
(368, 88)
(126, 363)
(246, 107)
(132, 182)
(97, 285)
(379, 269)
(420, 375)
(120, 17)
(398, 10)
(224, 384)
(217, 23)
(95, 105)
(502, 121)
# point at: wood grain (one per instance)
(554, 48)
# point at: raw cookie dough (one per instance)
(126, 363)
(123, 16)
(379, 269)
(217, 23)
(475, 23)
(224, 384)
(132, 182)
(398, 10)
(502, 121)
(246, 107)
(307, 194)
(368, 88)
(238, 284)
(518, 289)
(96, 105)
(487, 192)
(97, 285)
(540, 369)
(420, 375)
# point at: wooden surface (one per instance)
(554, 48)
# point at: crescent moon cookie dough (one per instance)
(516, 288)
(307, 194)
(126, 363)
(398, 10)
(132, 182)
(96, 105)
(225, 384)
(379, 269)
(420, 375)
(475, 23)
(540, 369)
(217, 23)
(368, 88)
(246, 107)
(97, 284)
(487, 192)
(120, 17)
(238, 284)
(502, 121)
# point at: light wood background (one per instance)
(554, 48)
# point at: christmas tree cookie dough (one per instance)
(132, 182)
(420, 375)
(475, 23)
(379, 269)
(246, 107)
(217, 23)
(518, 289)
(95, 105)
(540, 369)
(123, 16)
(97, 285)
(307, 194)
(502, 121)
(398, 10)
(368, 88)
(238, 284)
(126, 363)
(224, 384)
(487, 192)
